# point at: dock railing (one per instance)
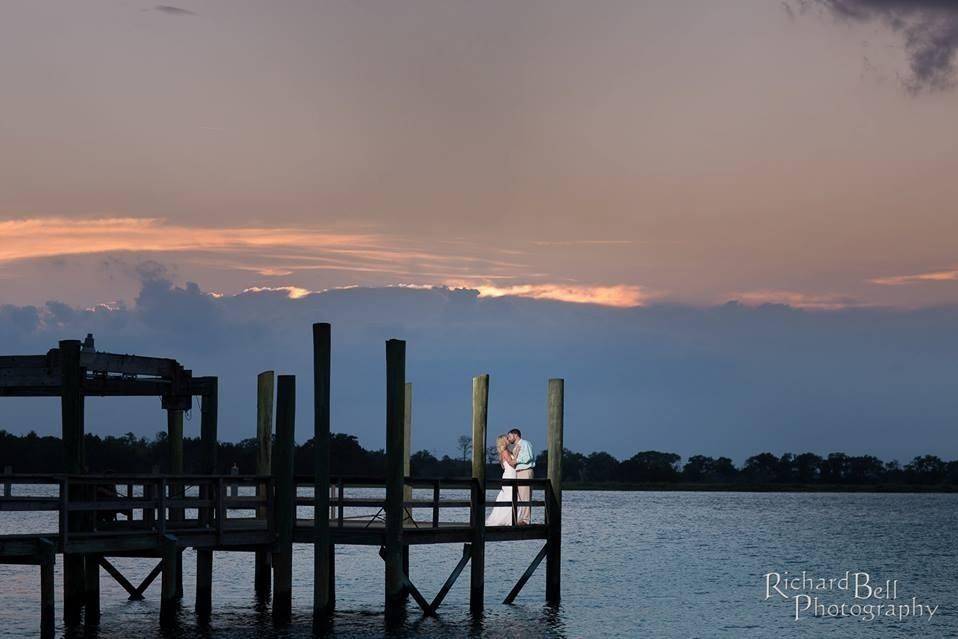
(92, 506)
(343, 507)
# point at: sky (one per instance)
(614, 165)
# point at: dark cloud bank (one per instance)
(727, 380)
(929, 29)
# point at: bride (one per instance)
(502, 515)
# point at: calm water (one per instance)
(634, 564)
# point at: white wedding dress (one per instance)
(502, 516)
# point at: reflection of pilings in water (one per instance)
(178, 511)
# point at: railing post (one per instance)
(284, 509)
(161, 509)
(480, 412)
(7, 470)
(395, 407)
(264, 437)
(220, 509)
(435, 504)
(322, 547)
(556, 410)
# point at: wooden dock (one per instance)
(156, 516)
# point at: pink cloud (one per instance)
(619, 295)
(810, 301)
(933, 276)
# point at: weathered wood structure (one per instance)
(157, 515)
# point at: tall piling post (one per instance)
(174, 438)
(284, 509)
(395, 407)
(265, 382)
(480, 417)
(407, 489)
(321, 541)
(72, 433)
(556, 410)
(209, 409)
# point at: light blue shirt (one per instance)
(525, 458)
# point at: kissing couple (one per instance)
(517, 460)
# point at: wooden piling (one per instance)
(285, 506)
(204, 556)
(407, 490)
(480, 414)
(71, 413)
(556, 403)
(321, 542)
(91, 596)
(174, 438)
(264, 438)
(395, 407)
(168, 599)
(47, 604)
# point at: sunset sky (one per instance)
(614, 151)
(625, 154)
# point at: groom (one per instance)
(525, 462)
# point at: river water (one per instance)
(635, 564)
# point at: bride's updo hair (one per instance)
(501, 443)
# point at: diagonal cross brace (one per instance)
(429, 609)
(466, 554)
(120, 579)
(525, 576)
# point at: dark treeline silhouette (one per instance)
(31, 453)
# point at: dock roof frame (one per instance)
(104, 375)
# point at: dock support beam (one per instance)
(285, 506)
(480, 414)
(321, 543)
(168, 599)
(395, 407)
(204, 556)
(264, 438)
(71, 412)
(556, 404)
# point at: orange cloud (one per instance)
(277, 252)
(268, 251)
(623, 296)
(933, 276)
(51, 236)
(292, 292)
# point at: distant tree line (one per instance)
(31, 453)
